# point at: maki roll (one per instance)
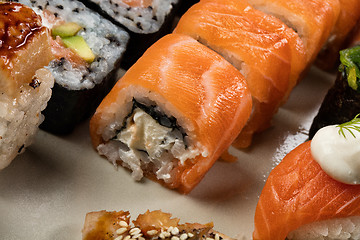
(87, 51)
(172, 114)
(257, 44)
(25, 86)
(348, 17)
(145, 20)
(150, 225)
(342, 101)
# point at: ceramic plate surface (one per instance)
(46, 192)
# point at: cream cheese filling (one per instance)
(143, 142)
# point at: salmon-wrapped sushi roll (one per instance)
(349, 15)
(25, 86)
(173, 113)
(314, 193)
(312, 20)
(245, 39)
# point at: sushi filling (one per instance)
(151, 141)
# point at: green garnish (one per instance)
(354, 124)
(350, 63)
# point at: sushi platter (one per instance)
(203, 110)
(46, 191)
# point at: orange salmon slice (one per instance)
(299, 192)
(205, 93)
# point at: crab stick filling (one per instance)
(149, 140)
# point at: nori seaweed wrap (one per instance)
(88, 49)
(342, 102)
(145, 21)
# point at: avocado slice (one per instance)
(68, 29)
(78, 44)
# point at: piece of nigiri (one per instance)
(173, 113)
(260, 51)
(312, 20)
(298, 193)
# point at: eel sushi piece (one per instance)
(150, 225)
(259, 49)
(145, 20)
(88, 50)
(312, 20)
(25, 86)
(342, 101)
(314, 192)
(173, 113)
(329, 54)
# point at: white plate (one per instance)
(46, 192)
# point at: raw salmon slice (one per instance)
(299, 192)
(312, 20)
(259, 49)
(185, 87)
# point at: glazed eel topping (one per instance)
(149, 140)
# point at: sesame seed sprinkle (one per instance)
(123, 224)
(183, 236)
(135, 231)
(175, 231)
(175, 238)
(190, 235)
(152, 232)
(127, 237)
(119, 238)
(121, 230)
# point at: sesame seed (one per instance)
(121, 230)
(175, 238)
(119, 238)
(141, 238)
(137, 235)
(217, 236)
(127, 237)
(209, 238)
(162, 235)
(170, 229)
(175, 231)
(167, 234)
(123, 224)
(183, 236)
(190, 235)
(152, 232)
(135, 231)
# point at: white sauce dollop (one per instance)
(337, 155)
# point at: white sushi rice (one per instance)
(107, 41)
(138, 19)
(21, 116)
(166, 156)
(334, 229)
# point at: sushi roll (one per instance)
(172, 114)
(329, 54)
(312, 20)
(146, 21)
(87, 52)
(150, 225)
(342, 101)
(314, 192)
(258, 45)
(25, 86)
